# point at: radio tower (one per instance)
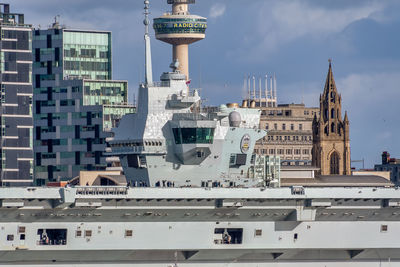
(180, 29)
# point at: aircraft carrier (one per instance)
(196, 194)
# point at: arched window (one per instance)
(326, 130)
(334, 163)
(326, 114)
(332, 113)
(333, 130)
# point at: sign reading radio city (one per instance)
(180, 25)
(190, 25)
(245, 143)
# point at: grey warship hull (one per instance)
(185, 225)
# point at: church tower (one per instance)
(331, 140)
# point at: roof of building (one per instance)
(298, 168)
(338, 180)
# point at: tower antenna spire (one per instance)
(148, 66)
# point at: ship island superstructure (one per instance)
(169, 141)
(197, 195)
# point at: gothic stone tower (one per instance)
(331, 141)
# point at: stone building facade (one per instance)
(331, 139)
(289, 136)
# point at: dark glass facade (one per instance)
(16, 122)
(75, 102)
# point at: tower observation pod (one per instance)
(180, 29)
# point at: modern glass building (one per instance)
(87, 54)
(15, 99)
(75, 101)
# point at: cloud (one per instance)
(277, 23)
(371, 90)
(217, 10)
(286, 20)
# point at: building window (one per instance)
(289, 151)
(333, 130)
(384, 228)
(88, 233)
(334, 163)
(306, 151)
(258, 232)
(332, 113)
(292, 127)
(281, 151)
(275, 126)
(300, 127)
(10, 237)
(78, 233)
(284, 126)
(266, 126)
(128, 233)
(297, 151)
(272, 151)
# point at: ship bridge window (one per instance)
(228, 235)
(193, 135)
(53, 237)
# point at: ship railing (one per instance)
(194, 116)
(101, 190)
(158, 84)
(183, 95)
(51, 242)
(137, 149)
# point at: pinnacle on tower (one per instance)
(180, 29)
(330, 81)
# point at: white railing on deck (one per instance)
(101, 190)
